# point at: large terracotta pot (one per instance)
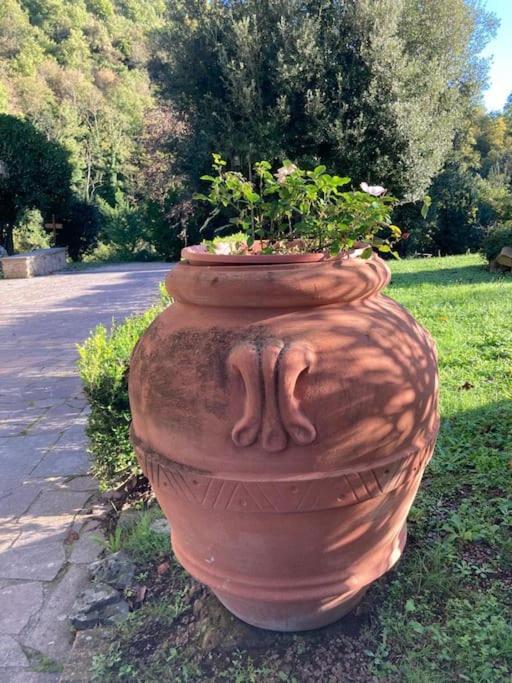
(284, 414)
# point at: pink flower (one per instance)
(285, 171)
(375, 190)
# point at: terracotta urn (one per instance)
(284, 411)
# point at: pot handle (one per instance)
(271, 408)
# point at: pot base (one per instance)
(305, 615)
(279, 617)
(297, 613)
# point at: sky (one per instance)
(500, 75)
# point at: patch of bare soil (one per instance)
(208, 640)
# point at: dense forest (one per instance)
(110, 111)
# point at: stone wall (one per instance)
(32, 263)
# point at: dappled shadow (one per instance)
(41, 321)
(445, 277)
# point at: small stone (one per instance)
(160, 526)
(71, 537)
(95, 607)
(99, 511)
(112, 495)
(116, 570)
(82, 621)
(94, 599)
(162, 568)
(113, 614)
(128, 517)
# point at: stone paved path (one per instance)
(44, 484)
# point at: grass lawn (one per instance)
(445, 612)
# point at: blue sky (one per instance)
(500, 77)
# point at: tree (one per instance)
(35, 173)
(80, 229)
(77, 70)
(372, 88)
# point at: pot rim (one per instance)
(197, 255)
(277, 285)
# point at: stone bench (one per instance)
(31, 263)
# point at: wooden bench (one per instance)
(32, 263)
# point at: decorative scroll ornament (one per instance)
(271, 407)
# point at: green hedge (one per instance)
(496, 238)
(103, 364)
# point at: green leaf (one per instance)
(427, 202)
(410, 605)
(340, 181)
(367, 253)
(416, 627)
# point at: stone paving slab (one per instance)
(44, 483)
(11, 654)
(28, 597)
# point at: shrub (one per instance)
(103, 363)
(497, 237)
(28, 233)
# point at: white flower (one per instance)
(223, 248)
(375, 190)
(285, 171)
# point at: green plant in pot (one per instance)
(283, 409)
(297, 211)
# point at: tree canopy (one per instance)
(34, 173)
(139, 93)
(373, 88)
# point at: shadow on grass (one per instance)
(447, 276)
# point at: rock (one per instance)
(113, 614)
(108, 616)
(111, 495)
(82, 621)
(3, 251)
(128, 517)
(495, 267)
(163, 568)
(116, 570)
(160, 526)
(98, 605)
(505, 257)
(95, 598)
